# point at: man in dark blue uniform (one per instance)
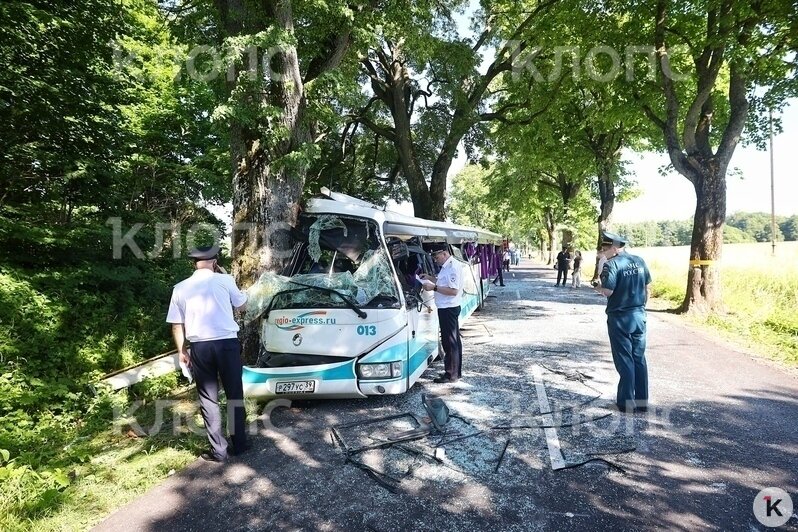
(625, 281)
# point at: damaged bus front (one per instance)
(335, 325)
(350, 318)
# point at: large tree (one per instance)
(431, 90)
(720, 64)
(273, 131)
(59, 103)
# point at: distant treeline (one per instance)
(740, 227)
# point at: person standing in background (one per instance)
(563, 265)
(498, 257)
(576, 274)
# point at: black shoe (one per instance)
(208, 456)
(443, 380)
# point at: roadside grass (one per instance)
(103, 469)
(760, 294)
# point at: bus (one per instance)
(348, 318)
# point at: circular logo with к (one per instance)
(772, 507)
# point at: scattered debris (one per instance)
(501, 456)
(438, 414)
(541, 423)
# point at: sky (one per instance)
(672, 197)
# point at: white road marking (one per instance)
(552, 440)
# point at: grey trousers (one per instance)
(212, 361)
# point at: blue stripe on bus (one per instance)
(343, 372)
(346, 371)
(423, 350)
(468, 304)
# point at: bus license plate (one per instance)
(296, 387)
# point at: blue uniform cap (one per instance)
(613, 240)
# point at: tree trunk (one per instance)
(703, 278)
(551, 231)
(267, 186)
(606, 187)
(440, 169)
(265, 204)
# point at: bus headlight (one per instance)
(380, 371)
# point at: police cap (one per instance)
(205, 253)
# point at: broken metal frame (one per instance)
(422, 430)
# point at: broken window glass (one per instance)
(339, 262)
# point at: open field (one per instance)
(760, 292)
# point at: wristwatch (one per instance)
(435, 288)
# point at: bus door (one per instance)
(411, 260)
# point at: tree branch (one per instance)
(737, 116)
(386, 132)
(669, 126)
(501, 114)
(336, 46)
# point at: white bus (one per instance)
(348, 318)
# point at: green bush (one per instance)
(69, 313)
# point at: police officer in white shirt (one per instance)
(201, 311)
(448, 286)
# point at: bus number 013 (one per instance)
(366, 330)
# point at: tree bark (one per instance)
(267, 178)
(606, 187)
(551, 232)
(703, 279)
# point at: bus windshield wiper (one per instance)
(265, 312)
(349, 303)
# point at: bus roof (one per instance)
(395, 224)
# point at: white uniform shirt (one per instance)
(204, 304)
(451, 275)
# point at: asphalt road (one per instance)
(723, 426)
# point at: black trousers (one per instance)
(499, 277)
(449, 320)
(212, 361)
(562, 274)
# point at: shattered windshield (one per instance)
(338, 262)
